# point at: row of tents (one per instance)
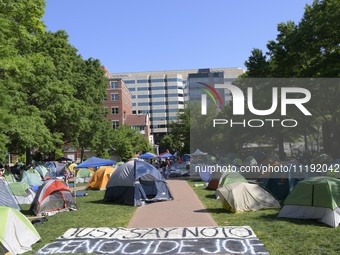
(132, 183)
(53, 195)
(311, 198)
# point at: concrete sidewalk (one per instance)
(186, 210)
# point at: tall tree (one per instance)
(309, 49)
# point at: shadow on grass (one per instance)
(100, 201)
(211, 196)
(306, 222)
(214, 210)
(27, 212)
(302, 222)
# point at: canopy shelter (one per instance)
(148, 155)
(95, 162)
(165, 155)
(198, 152)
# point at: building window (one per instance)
(129, 81)
(113, 84)
(115, 124)
(114, 97)
(114, 110)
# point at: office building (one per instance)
(162, 94)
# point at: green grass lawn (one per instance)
(92, 212)
(280, 236)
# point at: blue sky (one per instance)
(154, 35)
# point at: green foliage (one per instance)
(126, 142)
(179, 137)
(50, 96)
(308, 49)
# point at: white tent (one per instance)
(198, 152)
(243, 196)
(17, 233)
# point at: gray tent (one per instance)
(136, 182)
(6, 197)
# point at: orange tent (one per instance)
(100, 178)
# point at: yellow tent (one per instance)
(71, 167)
(100, 178)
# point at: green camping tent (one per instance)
(83, 175)
(314, 198)
(17, 234)
(31, 179)
(22, 192)
(218, 180)
(229, 178)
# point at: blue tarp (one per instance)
(148, 155)
(166, 155)
(94, 162)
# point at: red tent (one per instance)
(53, 196)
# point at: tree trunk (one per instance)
(82, 154)
(28, 156)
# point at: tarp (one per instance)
(95, 162)
(165, 155)
(100, 178)
(17, 234)
(242, 196)
(136, 182)
(314, 198)
(147, 155)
